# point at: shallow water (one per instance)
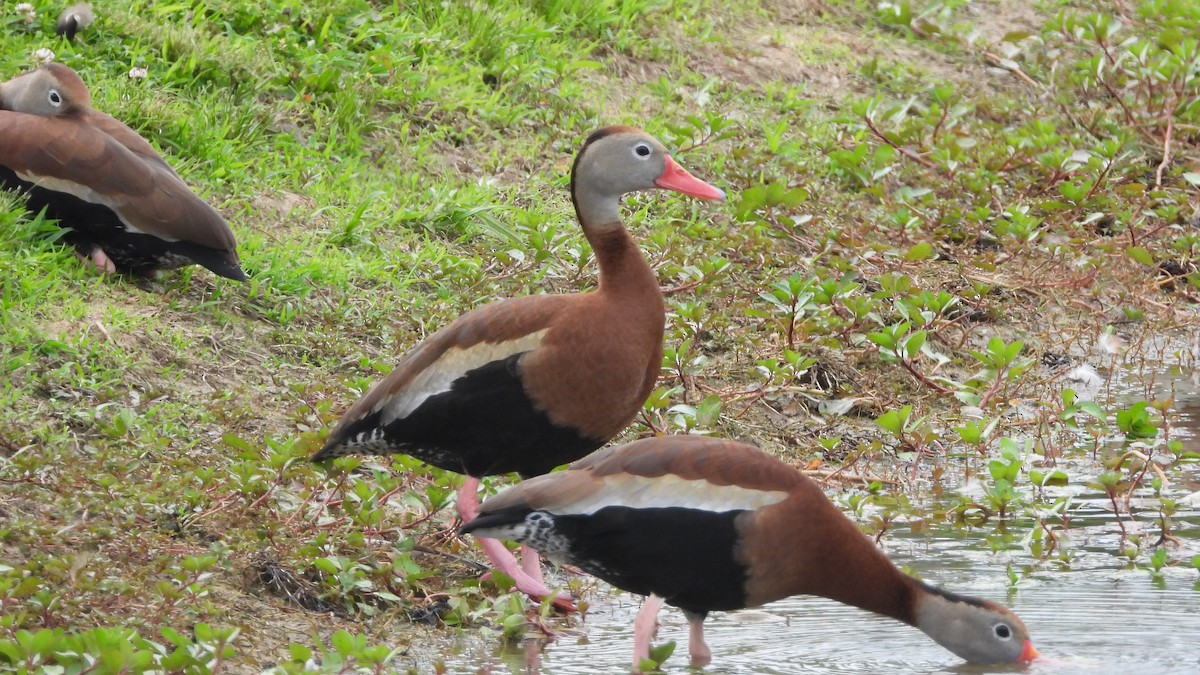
(1093, 618)
(1092, 612)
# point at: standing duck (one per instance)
(529, 383)
(127, 210)
(706, 524)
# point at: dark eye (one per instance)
(55, 98)
(1003, 631)
(641, 150)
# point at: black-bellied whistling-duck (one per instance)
(126, 209)
(706, 524)
(530, 383)
(74, 19)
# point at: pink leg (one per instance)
(468, 507)
(644, 628)
(100, 260)
(467, 502)
(531, 563)
(697, 647)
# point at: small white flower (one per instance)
(26, 11)
(43, 55)
(138, 73)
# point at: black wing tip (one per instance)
(478, 523)
(236, 273)
(325, 454)
(509, 516)
(221, 264)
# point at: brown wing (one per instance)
(492, 332)
(663, 470)
(68, 155)
(715, 460)
(129, 138)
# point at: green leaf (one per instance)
(1012, 350)
(1140, 255)
(342, 642)
(709, 411)
(171, 635)
(513, 626)
(1091, 408)
(1056, 478)
(912, 346)
(921, 251)
(45, 641)
(884, 340)
(894, 420)
(299, 653)
(660, 653)
(237, 442)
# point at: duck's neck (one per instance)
(623, 270)
(870, 581)
(823, 553)
(596, 210)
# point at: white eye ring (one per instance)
(641, 150)
(1002, 631)
(55, 98)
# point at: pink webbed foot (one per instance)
(503, 560)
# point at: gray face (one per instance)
(621, 163)
(977, 634)
(35, 93)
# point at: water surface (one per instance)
(1089, 611)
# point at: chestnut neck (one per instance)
(878, 586)
(807, 546)
(623, 269)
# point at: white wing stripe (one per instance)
(80, 191)
(640, 492)
(453, 364)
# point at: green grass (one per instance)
(902, 216)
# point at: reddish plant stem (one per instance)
(899, 148)
(912, 369)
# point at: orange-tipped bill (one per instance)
(676, 178)
(1029, 653)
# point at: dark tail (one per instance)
(220, 263)
(332, 450)
(74, 19)
(487, 521)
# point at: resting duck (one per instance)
(706, 524)
(529, 383)
(126, 209)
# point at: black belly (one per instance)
(484, 425)
(94, 225)
(685, 556)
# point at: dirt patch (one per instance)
(998, 18)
